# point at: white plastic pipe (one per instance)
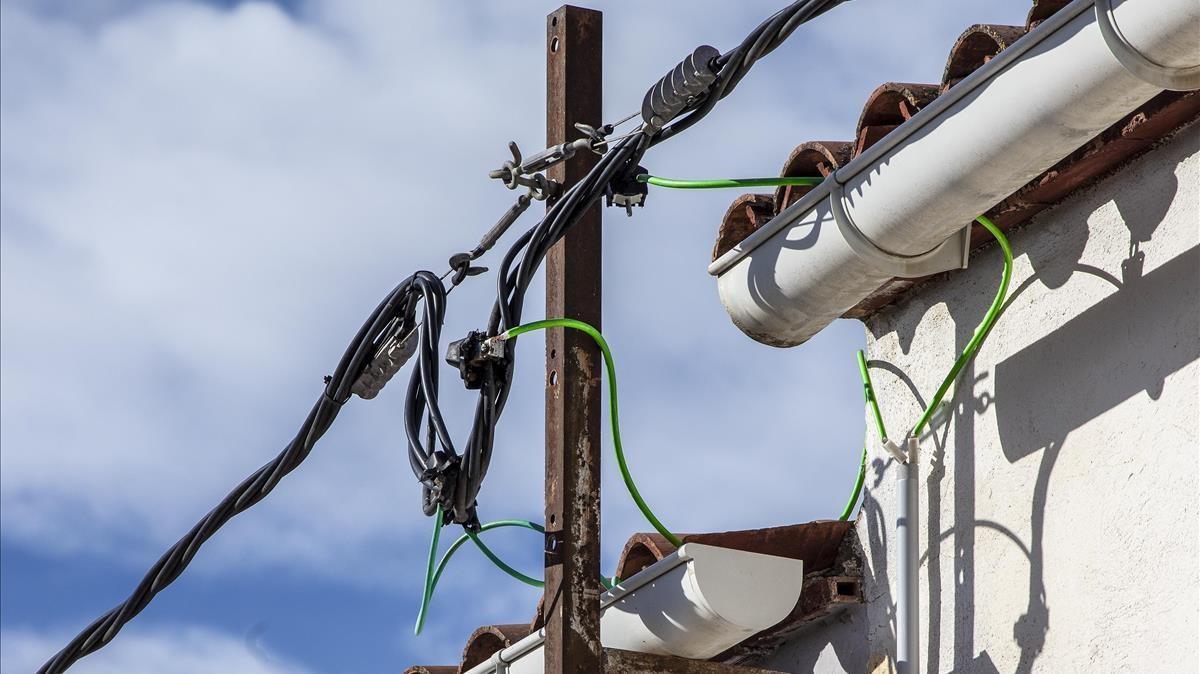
(908, 606)
(1072, 77)
(695, 603)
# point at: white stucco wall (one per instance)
(1059, 498)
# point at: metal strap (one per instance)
(1167, 77)
(949, 254)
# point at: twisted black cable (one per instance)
(447, 478)
(399, 304)
(735, 63)
(528, 252)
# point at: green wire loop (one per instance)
(981, 332)
(433, 575)
(727, 182)
(976, 341)
(611, 370)
(968, 352)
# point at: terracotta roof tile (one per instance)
(814, 158)
(1042, 10)
(888, 107)
(489, 639)
(746, 214)
(975, 47)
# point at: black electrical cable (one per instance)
(525, 256)
(399, 304)
(448, 479)
(735, 63)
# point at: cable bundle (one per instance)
(620, 166)
(450, 481)
(397, 308)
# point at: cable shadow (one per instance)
(1124, 345)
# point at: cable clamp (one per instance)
(439, 486)
(626, 191)
(1167, 77)
(951, 253)
(477, 358)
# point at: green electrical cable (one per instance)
(433, 575)
(427, 592)
(981, 332)
(727, 182)
(869, 394)
(487, 552)
(968, 352)
(976, 341)
(613, 416)
(858, 485)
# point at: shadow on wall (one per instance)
(1124, 345)
(1127, 343)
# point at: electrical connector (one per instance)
(474, 355)
(627, 192)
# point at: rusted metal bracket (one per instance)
(628, 662)
(572, 569)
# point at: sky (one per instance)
(200, 201)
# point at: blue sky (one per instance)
(199, 202)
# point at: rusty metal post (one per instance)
(572, 593)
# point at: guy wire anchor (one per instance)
(527, 172)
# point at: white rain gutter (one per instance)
(899, 208)
(694, 603)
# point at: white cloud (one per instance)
(199, 205)
(181, 649)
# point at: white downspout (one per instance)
(908, 556)
(899, 208)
